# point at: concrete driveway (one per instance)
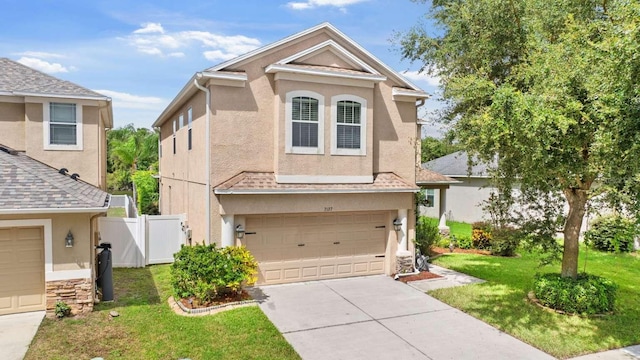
(16, 333)
(376, 317)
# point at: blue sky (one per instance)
(141, 53)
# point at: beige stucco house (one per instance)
(304, 151)
(52, 177)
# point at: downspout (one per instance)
(207, 238)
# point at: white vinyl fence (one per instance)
(147, 239)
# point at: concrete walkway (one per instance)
(16, 333)
(628, 353)
(376, 317)
(449, 278)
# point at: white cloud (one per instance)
(130, 101)
(167, 43)
(217, 55)
(44, 66)
(41, 55)
(148, 28)
(422, 77)
(310, 4)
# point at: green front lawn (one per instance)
(455, 227)
(502, 302)
(148, 329)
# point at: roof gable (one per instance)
(334, 33)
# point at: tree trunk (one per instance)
(577, 199)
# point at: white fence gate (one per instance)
(147, 239)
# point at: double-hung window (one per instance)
(175, 129)
(429, 197)
(348, 115)
(62, 126)
(305, 123)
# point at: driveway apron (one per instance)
(16, 333)
(376, 317)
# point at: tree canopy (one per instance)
(550, 89)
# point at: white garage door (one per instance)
(292, 248)
(21, 270)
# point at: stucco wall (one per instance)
(12, 124)
(85, 162)
(77, 257)
(464, 200)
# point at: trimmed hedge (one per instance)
(612, 234)
(206, 272)
(504, 241)
(587, 295)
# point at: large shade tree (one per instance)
(549, 89)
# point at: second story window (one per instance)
(62, 126)
(304, 123)
(349, 121)
(175, 128)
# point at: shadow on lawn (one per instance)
(132, 287)
(502, 301)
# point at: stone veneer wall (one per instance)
(404, 264)
(77, 293)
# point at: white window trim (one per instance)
(289, 148)
(334, 126)
(46, 120)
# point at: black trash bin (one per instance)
(105, 272)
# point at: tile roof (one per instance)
(20, 79)
(26, 183)
(457, 165)
(265, 183)
(429, 177)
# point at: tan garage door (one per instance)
(292, 248)
(21, 270)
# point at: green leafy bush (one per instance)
(427, 235)
(464, 242)
(588, 294)
(504, 241)
(206, 272)
(611, 233)
(481, 235)
(62, 309)
(444, 242)
(146, 191)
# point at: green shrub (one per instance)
(504, 241)
(444, 242)
(206, 272)
(464, 242)
(611, 233)
(588, 294)
(481, 235)
(62, 309)
(427, 235)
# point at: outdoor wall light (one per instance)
(68, 241)
(240, 231)
(397, 225)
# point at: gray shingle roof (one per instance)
(457, 165)
(26, 183)
(16, 78)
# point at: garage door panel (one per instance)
(21, 270)
(316, 246)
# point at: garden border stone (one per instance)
(180, 309)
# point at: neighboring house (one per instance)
(52, 177)
(303, 150)
(465, 198)
(40, 209)
(54, 121)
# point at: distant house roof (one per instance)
(29, 186)
(265, 183)
(457, 165)
(429, 177)
(21, 80)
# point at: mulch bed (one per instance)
(192, 303)
(423, 275)
(439, 251)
